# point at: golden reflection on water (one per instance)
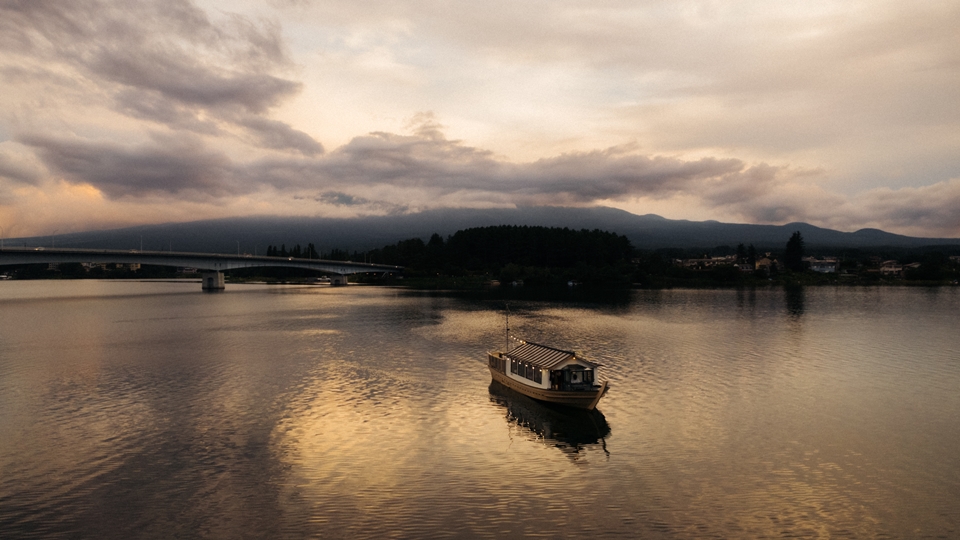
(362, 412)
(414, 446)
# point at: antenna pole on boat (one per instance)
(507, 324)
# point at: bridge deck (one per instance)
(216, 262)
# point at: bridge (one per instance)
(212, 264)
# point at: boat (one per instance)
(548, 374)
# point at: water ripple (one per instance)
(154, 411)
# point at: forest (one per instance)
(508, 253)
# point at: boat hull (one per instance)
(582, 399)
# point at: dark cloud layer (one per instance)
(425, 162)
(340, 199)
(165, 61)
(433, 163)
(337, 198)
(180, 168)
(278, 135)
(391, 173)
(183, 80)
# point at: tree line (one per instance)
(536, 255)
(296, 252)
(553, 256)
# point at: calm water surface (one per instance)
(152, 410)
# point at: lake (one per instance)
(153, 410)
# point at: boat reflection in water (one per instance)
(568, 429)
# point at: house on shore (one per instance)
(891, 268)
(825, 265)
(707, 262)
(767, 263)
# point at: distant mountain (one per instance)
(360, 234)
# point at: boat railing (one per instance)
(578, 387)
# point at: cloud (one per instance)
(273, 134)
(922, 211)
(385, 173)
(863, 88)
(155, 107)
(15, 167)
(389, 173)
(431, 170)
(167, 62)
(169, 167)
(738, 111)
(764, 194)
(337, 198)
(184, 80)
(340, 199)
(615, 173)
(428, 161)
(425, 163)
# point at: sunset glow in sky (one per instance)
(844, 114)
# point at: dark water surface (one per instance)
(151, 410)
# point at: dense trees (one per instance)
(538, 255)
(297, 252)
(545, 256)
(934, 266)
(793, 255)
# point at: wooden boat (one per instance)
(548, 374)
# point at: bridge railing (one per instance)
(204, 261)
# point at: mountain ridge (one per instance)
(648, 231)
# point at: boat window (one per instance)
(531, 372)
(525, 370)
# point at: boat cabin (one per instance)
(545, 367)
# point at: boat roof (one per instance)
(544, 356)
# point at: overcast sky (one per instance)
(844, 114)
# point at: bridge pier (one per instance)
(338, 280)
(212, 281)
